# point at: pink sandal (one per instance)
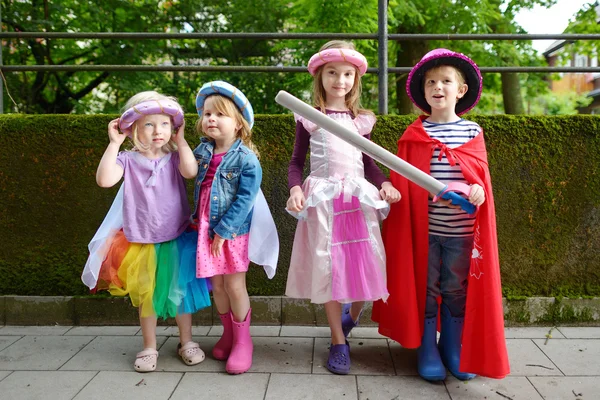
(146, 360)
(190, 353)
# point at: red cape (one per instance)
(405, 236)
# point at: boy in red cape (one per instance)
(434, 249)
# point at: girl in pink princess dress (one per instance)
(338, 256)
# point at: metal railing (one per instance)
(382, 38)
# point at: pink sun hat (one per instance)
(474, 81)
(338, 55)
(149, 107)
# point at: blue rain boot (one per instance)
(429, 362)
(347, 322)
(450, 344)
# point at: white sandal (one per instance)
(190, 353)
(146, 360)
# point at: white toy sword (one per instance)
(413, 174)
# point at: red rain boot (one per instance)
(240, 358)
(223, 346)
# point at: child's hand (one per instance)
(477, 195)
(180, 136)
(296, 200)
(216, 246)
(389, 193)
(113, 132)
(447, 203)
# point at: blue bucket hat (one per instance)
(227, 90)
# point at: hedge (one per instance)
(544, 172)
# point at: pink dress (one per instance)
(234, 254)
(338, 253)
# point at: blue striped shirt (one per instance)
(446, 221)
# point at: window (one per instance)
(580, 60)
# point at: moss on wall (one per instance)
(544, 173)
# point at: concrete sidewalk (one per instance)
(86, 362)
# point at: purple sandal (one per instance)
(347, 322)
(339, 359)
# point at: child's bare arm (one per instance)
(109, 172)
(188, 167)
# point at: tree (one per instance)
(54, 92)
(464, 16)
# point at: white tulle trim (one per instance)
(263, 241)
(363, 123)
(113, 222)
(325, 189)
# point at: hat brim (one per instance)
(227, 90)
(414, 84)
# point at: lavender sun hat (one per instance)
(474, 81)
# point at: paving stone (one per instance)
(44, 385)
(399, 388)
(221, 386)
(368, 356)
(6, 341)
(102, 331)
(174, 331)
(366, 332)
(34, 330)
(259, 330)
(301, 387)
(108, 353)
(130, 386)
(306, 331)
(567, 387)
(591, 332)
(482, 388)
(405, 360)
(41, 352)
(4, 374)
(282, 354)
(534, 332)
(255, 330)
(526, 359)
(39, 310)
(574, 356)
(169, 361)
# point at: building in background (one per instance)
(581, 83)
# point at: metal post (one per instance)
(382, 51)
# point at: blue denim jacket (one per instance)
(234, 188)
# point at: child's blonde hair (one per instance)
(226, 106)
(459, 74)
(352, 100)
(136, 99)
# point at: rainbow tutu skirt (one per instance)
(160, 278)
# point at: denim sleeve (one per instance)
(249, 185)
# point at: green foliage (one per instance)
(106, 92)
(544, 171)
(559, 103)
(586, 21)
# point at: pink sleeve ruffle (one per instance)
(309, 126)
(364, 123)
